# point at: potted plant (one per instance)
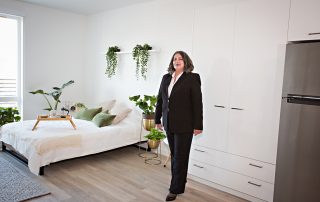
(147, 104)
(112, 60)
(154, 138)
(54, 94)
(141, 56)
(8, 115)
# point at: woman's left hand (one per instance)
(197, 132)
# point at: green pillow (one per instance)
(88, 114)
(102, 119)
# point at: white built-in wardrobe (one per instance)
(239, 51)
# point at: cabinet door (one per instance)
(215, 129)
(304, 20)
(260, 38)
(212, 57)
(212, 51)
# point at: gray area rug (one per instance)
(15, 186)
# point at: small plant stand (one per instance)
(155, 160)
(144, 154)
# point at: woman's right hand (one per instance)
(159, 126)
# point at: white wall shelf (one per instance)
(130, 52)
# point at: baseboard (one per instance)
(225, 189)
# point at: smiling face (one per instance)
(178, 62)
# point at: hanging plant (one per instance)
(112, 60)
(141, 56)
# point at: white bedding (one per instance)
(54, 141)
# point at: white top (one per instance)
(173, 81)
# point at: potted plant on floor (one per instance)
(141, 56)
(112, 60)
(154, 138)
(148, 105)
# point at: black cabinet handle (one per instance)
(220, 106)
(258, 185)
(255, 165)
(314, 33)
(235, 108)
(198, 150)
(197, 166)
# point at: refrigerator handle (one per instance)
(303, 99)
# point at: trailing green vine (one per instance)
(112, 61)
(141, 56)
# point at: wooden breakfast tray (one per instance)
(58, 118)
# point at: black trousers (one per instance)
(180, 145)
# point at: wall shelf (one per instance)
(130, 52)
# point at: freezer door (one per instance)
(302, 69)
(298, 158)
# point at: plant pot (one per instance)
(153, 144)
(148, 121)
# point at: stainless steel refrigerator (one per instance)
(297, 176)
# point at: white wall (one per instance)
(53, 52)
(165, 25)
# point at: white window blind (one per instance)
(10, 61)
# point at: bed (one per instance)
(55, 141)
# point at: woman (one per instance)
(179, 103)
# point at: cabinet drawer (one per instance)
(252, 168)
(241, 183)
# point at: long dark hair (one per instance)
(188, 65)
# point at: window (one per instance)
(11, 61)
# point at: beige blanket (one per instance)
(52, 143)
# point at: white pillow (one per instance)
(121, 111)
(107, 105)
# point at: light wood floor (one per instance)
(118, 175)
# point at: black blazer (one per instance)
(182, 112)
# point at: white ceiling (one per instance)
(85, 7)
